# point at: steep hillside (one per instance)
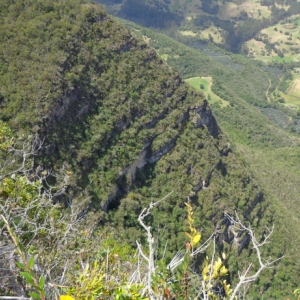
(124, 126)
(251, 122)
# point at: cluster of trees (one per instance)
(272, 2)
(210, 7)
(155, 14)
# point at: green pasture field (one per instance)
(227, 10)
(205, 83)
(175, 5)
(230, 10)
(292, 95)
(291, 101)
(195, 82)
(278, 59)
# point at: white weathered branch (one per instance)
(150, 258)
(244, 278)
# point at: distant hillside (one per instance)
(227, 23)
(148, 13)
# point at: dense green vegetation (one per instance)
(126, 130)
(267, 150)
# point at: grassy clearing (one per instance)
(256, 47)
(295, 89)
(177, 4)
(284, 36)
(227, 11)
(290, 101)
(289, 26)
(292, 95)
(278, 59)
(204, 84)
(212, 32)
(253, 8)
(284, 33)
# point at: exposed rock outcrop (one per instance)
(146, 156)
(206, 119)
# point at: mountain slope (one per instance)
(270, 152)
(123, 124)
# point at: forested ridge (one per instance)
(104, 127)
(270, 151)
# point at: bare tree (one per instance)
(247, 277)
(46, 229)
(208, 289)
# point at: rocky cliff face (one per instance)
(204, 119)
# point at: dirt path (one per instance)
(289, 89)
(267, 91)
(296, 57)
(270, 84)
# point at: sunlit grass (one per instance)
(204, 84)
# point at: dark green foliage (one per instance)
(111, 110)
(210, 7)
(147, 13)
(269, 151)
(128, 129)
(90, 82)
